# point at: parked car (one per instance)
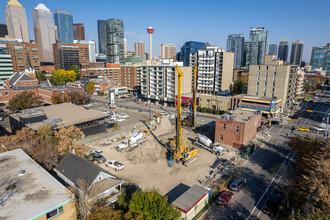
(99, 158)
(109, 125)
(1, 119)
(318, 128)
(224, 198)
(302, 129)
(273, 203)
(89, 105)
(237, 184)
(163, 113)
(98, 152)
(119, 119)
(115, 164)
(122, 115)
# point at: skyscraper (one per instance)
(318, 57)
(44, 32)
(101, 35)
(258, 47)
(3, 30)
(235, 43)
(168, 51)
(283, 50)
(297, 52)
(246, 56)
(272, 49)
(190, 47)
(79, 31)
(114, 40)
(64, 22)
(16, 21)
(139, 49)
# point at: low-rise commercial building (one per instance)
(61, 115)
(215, 102)
(237, 128)
(30, 192)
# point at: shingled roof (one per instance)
(75, 168)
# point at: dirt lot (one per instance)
(147, 166)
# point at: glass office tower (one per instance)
(235, 43)
(64, 22)
(114, 40)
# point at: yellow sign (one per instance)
(290, 121)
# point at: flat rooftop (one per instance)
(260, 98)
(69, 113)
(31, 194)
(240, 115)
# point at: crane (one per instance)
(180, 152)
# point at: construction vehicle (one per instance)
(205, 143)
(180, 152)
(191, 120)
(134, 141)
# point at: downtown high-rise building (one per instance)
(297, 49)
(320, 58)
(168, 51)
(125, 47)
(64, 22)
(258, 45)
(16, 21)
(139, 49)
(272, 49)
(283, 50)
(79, 31)
(190, 48)
(44, 32)
(3, 30)
(114, 40)
(101, 35)
(91, 49)
(235, 44)
(246, 55)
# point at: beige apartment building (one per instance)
(273, 81)
(139, 49)
(16, 21)
(168, 51)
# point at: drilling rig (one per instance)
(181, 152)
(191, 121)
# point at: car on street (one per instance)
(302, 129)
(237, 184)
(163, 113)
(224, 198)
(115, 165)
(318, 128)
(273, 203)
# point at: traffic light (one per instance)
(309, 110)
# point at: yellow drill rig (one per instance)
(180, 152)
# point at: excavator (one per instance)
(181, 152)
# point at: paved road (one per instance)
(247, 203)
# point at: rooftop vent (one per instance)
(21, 172)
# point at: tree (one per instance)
(150, 204)
(62, 77)
(100, 93)
(78, 97)
(41, 76)
(239, 85)
(75, 68)
(24, 100)
(90, 88)
(66, 140)
(59, 98)
(105, 212)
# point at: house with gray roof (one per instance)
(82, 174)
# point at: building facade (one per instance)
(272, 49)
(139, 49)
(258, 45)
(297, 53)
(273, 81)
(66, 55)
(246, 58)
(235, 44)
(91, 49)
(44, 32)
(114, 40)
(190, 47)
(129, 77)
(3, 30)
(6, 68)
(237, 129)
(168, 51)
(21, 54)
(215, 102)
(16, 21)
(283, 50)
(79, 31)
(111, 72)
(64, 23)
(101, 35)
(215, 70)
(318, 57)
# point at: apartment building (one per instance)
(111, 71)
(168, 51)
(215, 70)
(273, 81)
(66, 55)
(129, 76)
(160, 82)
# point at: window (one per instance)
(221, 137)
(237, 129)
(224, 127)
(55, 212)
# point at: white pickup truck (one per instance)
(115, 165)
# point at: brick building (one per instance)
(66, 55)
(129, 77)
(111, 71)
(20, 53)
(237, 128)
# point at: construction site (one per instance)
(165, 154)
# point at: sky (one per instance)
(204, 20)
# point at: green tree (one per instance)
(24, 100)
(90, 88)
(150, 204)
(41, 75)
(75, 68)
(100, 93)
